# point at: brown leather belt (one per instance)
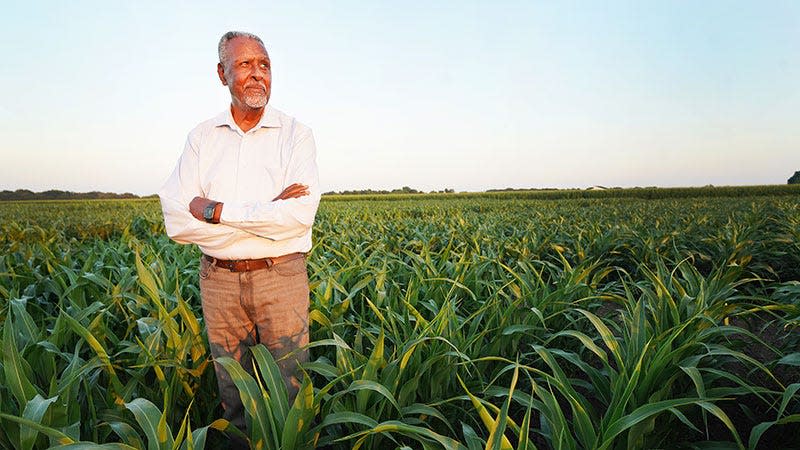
(247, 265)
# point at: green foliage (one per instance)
(271, 423)
(501, 320)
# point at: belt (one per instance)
(247, 265)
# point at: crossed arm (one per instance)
(289, 215)
(199, 204)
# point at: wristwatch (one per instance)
(208, 212)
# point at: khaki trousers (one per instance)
(241, 309)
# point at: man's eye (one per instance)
(265, 66)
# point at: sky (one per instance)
(99, 96)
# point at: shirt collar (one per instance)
(269, 119)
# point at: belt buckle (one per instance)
(231, 264)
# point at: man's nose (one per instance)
(259, 72)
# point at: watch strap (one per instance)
(217, 213)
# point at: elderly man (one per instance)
(246, 191)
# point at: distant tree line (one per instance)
(531, 189)
(510, 189)
(25, 194)
(54, 194)
(402, 190)
(647, 193)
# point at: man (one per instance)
(246, 191)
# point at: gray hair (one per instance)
(222, 48)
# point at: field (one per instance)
(504, 320)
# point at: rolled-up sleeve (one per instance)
(282, 219)
(176, 194)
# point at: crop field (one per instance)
(437, 322)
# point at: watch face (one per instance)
(208, 213)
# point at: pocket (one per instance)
(291, 268)
(205, 268)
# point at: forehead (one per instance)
(243, 48)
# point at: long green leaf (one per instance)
(271, 374)
(26, 327)
(150, 419)
(720, 414)
(198, 436)
(484, 415)
(370, 372)
(359, 385)
(34, 411)
(607, 336)
(60, 437)
(642, 413)
(299, 418)
(497, 439)
(420, 434)
(260, 421)
(13, 369)
(758, 430)
(348, 417)
(146, 279)
(97, 347)
(127, 434)
(93, 446)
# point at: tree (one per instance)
(795, 178)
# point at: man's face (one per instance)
(247, 73)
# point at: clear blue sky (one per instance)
(429, 94)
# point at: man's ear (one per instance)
(221, 73)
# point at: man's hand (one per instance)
(296, 190)
(198, 205)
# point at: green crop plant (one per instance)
(566, 319)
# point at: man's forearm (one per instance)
(183, 228)
(201, 207)
(276, 220)
(206, 210)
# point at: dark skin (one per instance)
(247, 73)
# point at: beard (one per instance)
(255, 99)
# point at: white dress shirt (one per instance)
(245, 171)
